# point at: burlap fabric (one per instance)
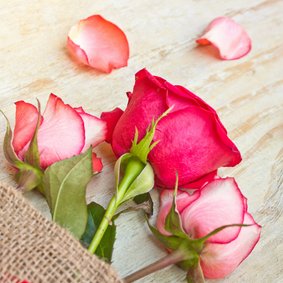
(37, 250)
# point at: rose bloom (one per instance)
(192, 140)
(216, 204)
(64, 131)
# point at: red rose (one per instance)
(218, 203)
(192, 140)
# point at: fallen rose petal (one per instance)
(228, 37)
(26, 119)
(96, 163)
(220, 203)
(95, 129)
(61, 134)
(98, 43)
(111, 118)
(219, 260)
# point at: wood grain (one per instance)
(247, 93)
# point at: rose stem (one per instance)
(168, 260)
(133, 169)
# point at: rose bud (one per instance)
(217, 204)
(192, 140)
(64, 131)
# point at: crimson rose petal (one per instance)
(96, 163)
(228, 37)
(98, 43)
(111, 118)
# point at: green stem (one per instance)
(133, 169)
(168, 260)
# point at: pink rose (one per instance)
(192, 140)
(64, 131)
(218, 203)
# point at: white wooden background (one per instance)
(247, 93)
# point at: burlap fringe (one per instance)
(37, 250)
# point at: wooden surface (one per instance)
(248, 94)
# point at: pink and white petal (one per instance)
(95, 130)
(98, 43)
(183, 200)
(96, 163)
(220, 203)
(79, 110)
(111, 118)
(26, 119)
(228, 37)
(76, 52)
(62, 134)
(219, 260)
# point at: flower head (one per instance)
(64, 131)
(217, 204)
(191, 139)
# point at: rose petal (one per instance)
(98, 43)
(228, 37)
(144, 106)
(61, 134)
(201, 182)
(96, 163)
(111, 118)
(183, 200)
(79, 110)
(203, 150)
(219, 260)
(220, 203)
(95, 130)
(26, 119)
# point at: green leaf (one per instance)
(8, 149)
(146, 200)
(105, 248)
(142, 148)
(143, 183)
(65, 185)
(32, 154)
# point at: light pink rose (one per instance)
(218, 203)
(192, 140)
(64, 131)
